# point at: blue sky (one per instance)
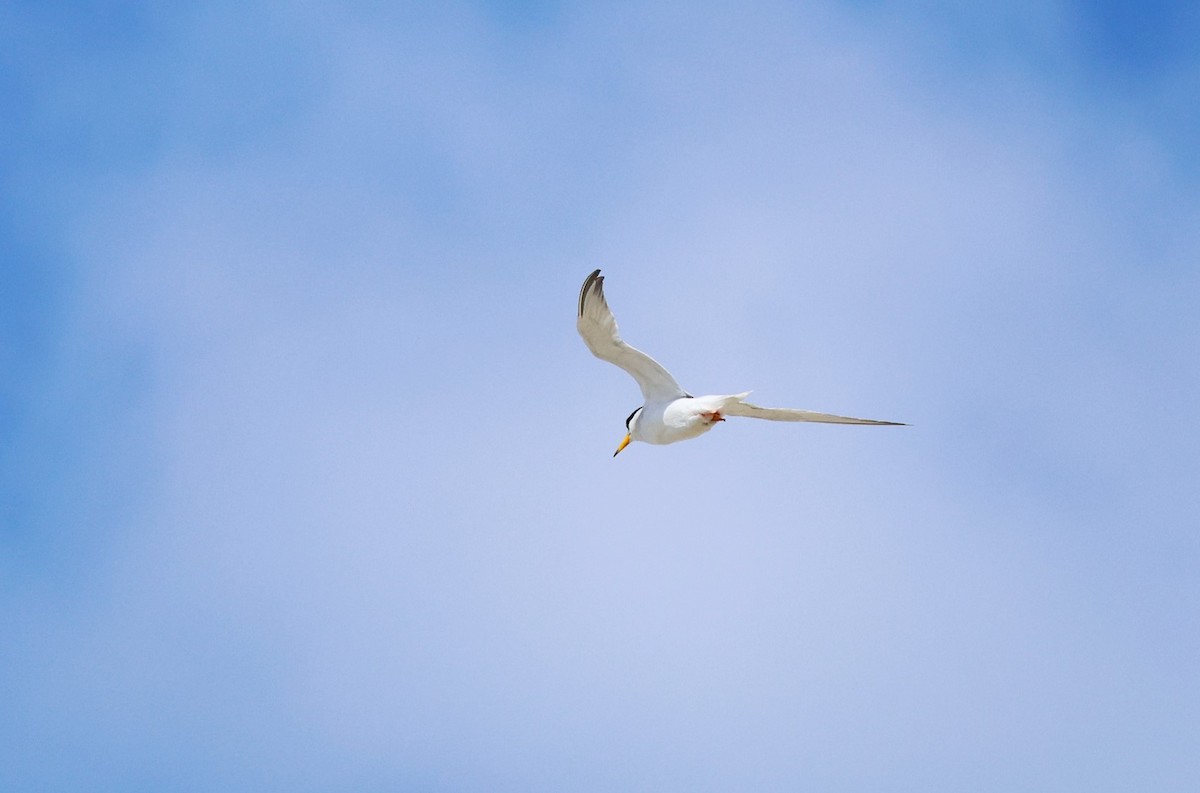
(305, 477)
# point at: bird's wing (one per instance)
(788, 414)
(598, 327)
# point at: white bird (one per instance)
(670, 414)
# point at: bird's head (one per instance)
(630, 427)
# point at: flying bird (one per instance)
(669, 413)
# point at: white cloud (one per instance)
(383, 538)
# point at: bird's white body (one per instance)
(669, 413)
(679, 419)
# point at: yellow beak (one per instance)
(624, 443)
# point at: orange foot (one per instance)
(712, 418)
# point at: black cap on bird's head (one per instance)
(628, 431)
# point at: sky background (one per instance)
(306, 478)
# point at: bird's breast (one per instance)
(671, 422)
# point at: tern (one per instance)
(669, 413)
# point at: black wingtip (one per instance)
(594, 278)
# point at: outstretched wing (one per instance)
(788, 414)
(598, 327)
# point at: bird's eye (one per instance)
(631, 415)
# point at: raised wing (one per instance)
(598, 327)
(788, 414)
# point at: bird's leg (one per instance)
(712, 418)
